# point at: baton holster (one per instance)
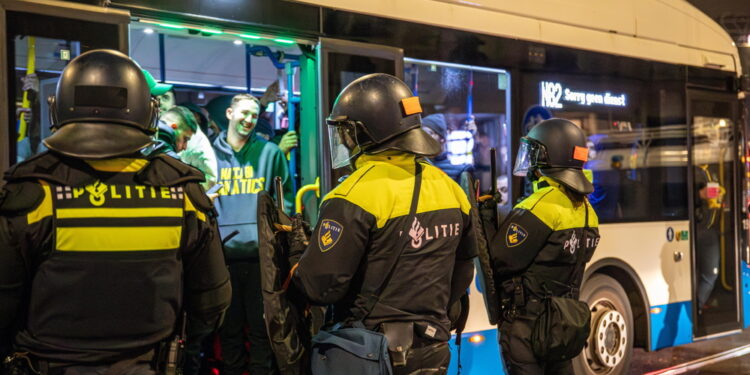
(513, 298)
(400, 337)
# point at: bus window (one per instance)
(465, 108)
(39, 46)
(38, 64)
(637, 140)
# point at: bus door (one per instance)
(38, 39)
(713, 197)
(341, 62)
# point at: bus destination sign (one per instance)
(554, 95)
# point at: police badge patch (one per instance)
(515, 235)
(329, 234)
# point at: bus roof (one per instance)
(671, 31)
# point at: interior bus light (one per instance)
(237, 42)
(170, 26)
(211, 31)
(476, 339)
(250, 36)
(283, 41)
(148, 30)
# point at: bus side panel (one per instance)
(480, 354)
(649, 248)
(745, 294)
(671, 324)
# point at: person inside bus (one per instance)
(162, 91)
(708, 205)
(436, 126)
(542, 246)
(286, 140)
(165, 141)
(30, 143)
(182, 120)
(198, 152)
(247, 164)
(217, 119)
(201, 116)
(167, 100)
(533, 116)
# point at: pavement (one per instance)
(645, 362)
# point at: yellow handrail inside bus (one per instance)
(722, 226)
(301, 192)
(30, 69)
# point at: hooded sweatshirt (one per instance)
(200, 154)
(244, 174)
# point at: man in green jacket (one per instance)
(247, 164)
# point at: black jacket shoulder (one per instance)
(20, 198)
(52, 167)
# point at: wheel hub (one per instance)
(609, 337)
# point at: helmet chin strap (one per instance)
(353, 158)
(531, 174)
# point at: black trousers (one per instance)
(135, 369)
(427, 360)
(35, 366)
(518, 355)
(246, 311)
(197, 333)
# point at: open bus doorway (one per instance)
(714, 236)
(206, 67)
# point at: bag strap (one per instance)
(372, 299)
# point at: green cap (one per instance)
(155, 87)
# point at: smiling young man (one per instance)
(247, 164)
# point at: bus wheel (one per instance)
(610, 343)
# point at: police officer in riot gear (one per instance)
(100, 248)
(541, 248)
(365, 223)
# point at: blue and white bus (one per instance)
(654, 84)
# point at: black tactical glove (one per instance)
(488, 213)
(298, 238)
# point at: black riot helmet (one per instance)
(557, 149)
(375, 113)
(102, 107)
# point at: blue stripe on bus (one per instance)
(745, 294)
(671, 325)
(481, 357)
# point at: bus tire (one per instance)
(610, 343)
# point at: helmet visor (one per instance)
(341, 155)
(523, 159)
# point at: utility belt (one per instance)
(517, 298)
(24, 363)
(165, 359)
